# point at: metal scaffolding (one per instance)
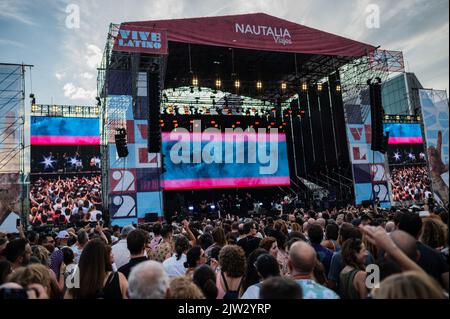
(14, 166)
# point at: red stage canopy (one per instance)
(257, 31)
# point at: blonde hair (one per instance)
(409, 285)
(32, 274)
(184, 288)
(296, 227)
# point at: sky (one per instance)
(65, 59)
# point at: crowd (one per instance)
(301, 254)
(71, 200)
(410, 184)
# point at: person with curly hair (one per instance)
(232, 263)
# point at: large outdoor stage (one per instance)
(253, 73)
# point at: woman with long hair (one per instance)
(353, 276)
(96, 278)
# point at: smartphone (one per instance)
(18, 222)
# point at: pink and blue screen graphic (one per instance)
(200, 174)
(64, 131)
(403, 133)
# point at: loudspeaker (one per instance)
(121, 142)
(154, 104)
(377, 114)
(151, 217)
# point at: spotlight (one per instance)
(213, 207)
(78, 109)
(418, 118)
(338, 88)
(194, 81)
(304, 87)
(191, 208)
(387, 117)
(34, 108)
(218, 83)
(283, 86)
(259, 85)
(237, 84)
(319, 87)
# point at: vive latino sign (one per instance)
(141, 39)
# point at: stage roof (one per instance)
(257, 31)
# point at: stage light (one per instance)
(77, 109)
(216, 125)
(283, 86)
(259, 85)
(418, 118)
(256, 123)
(95, 110)
(304, 87)
(238, 122)
(213, 122)
(237, 84)
(194, 81)
(161, 121)
(397, 117)
(272, 123)
(319, 87)
(176, 125)
(233, 126)
(34, 108)
(218, 83)
(191, 208)
(338, 88)
(387, 117)
(408, 118)
(213, 207)
(281, 126)
(174, 121)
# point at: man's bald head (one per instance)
(302, 257)
(390, 226)
(406, 243)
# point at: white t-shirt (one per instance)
(174, 267)
(252, 292)
(94, 214)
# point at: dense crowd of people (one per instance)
(75, 200)
(410, 184)
(300, 254)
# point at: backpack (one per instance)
(230, 294)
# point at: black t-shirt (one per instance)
(249, 244)
(126, 269)
(432, 261)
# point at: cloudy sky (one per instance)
(65, 59)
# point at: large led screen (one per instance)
(224, 160)
(410, 181)
(64, 144)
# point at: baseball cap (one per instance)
(63, 234)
